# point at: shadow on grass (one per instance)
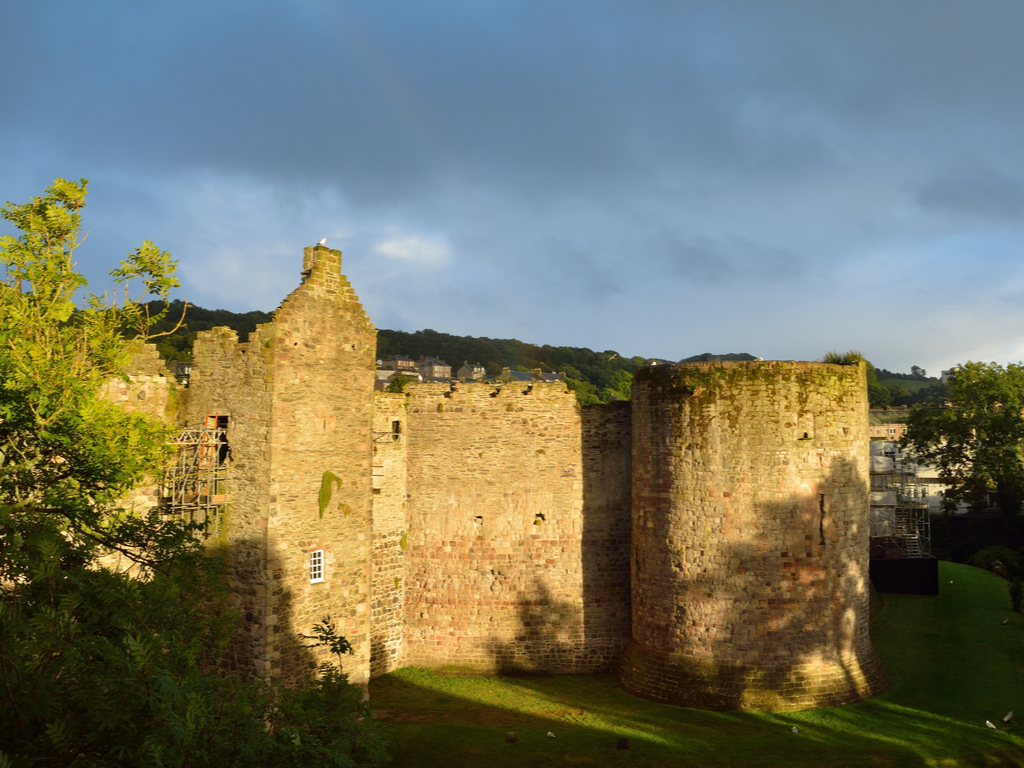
(955, 665)
(467, 718)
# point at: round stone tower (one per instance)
(750, 537)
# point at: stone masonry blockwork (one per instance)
(708, 540)
(750, 538)
(299, 398)
(390, 425)
(517, 544)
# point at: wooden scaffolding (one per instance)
(195, 483)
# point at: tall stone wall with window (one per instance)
(708, 541)
(298, 396)
(508, 566)
(750, 537)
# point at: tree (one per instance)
(65, 452)
(101, 666)
(975, 437)
(586, 393)
(397, 383)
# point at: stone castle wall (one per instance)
(607, 526)
(149, 389)
(750, 538)
(390, 526)
(504, 552)
(719, 519)
(235, 380)
(299, 400)
(321, 444)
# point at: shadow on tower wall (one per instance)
(585, 635)
(770, 613)
(607, 458)
(264, 643)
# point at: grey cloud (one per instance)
(709, 260)
(572, 272)
(977, 192)
(389, 100)
(717, 147)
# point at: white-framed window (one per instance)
(316, 566)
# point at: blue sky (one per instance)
(658, 178)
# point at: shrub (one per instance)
(1000, 560)
(1016, 594)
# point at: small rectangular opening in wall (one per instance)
(316, 566)
(821, 519)
(396, 430)
(805, 427)
(223, 447)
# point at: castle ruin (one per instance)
(708, 542)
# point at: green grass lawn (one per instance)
(953, 663)
(911, 385)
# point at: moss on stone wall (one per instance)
(749, 536)
(327, 485)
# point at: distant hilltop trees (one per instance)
(707, 357)
(178, 345)
(595, 377)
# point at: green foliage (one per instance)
(112, 623)
(599, 376)
(878, 396)
(975, 438)
(709, 357)
(101, 668)
(98, 664)
(325, 635)
(177, 339)
(886, 388)
(397, 383)
(323, 723)
(850, 357)
(911, 388)
(917, 374)
(619, 386)
(63, 450)
(586, 393)
(327, 722)
(1002, 561)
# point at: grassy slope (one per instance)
(961, 661)
(911, 385)
(955, 666)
